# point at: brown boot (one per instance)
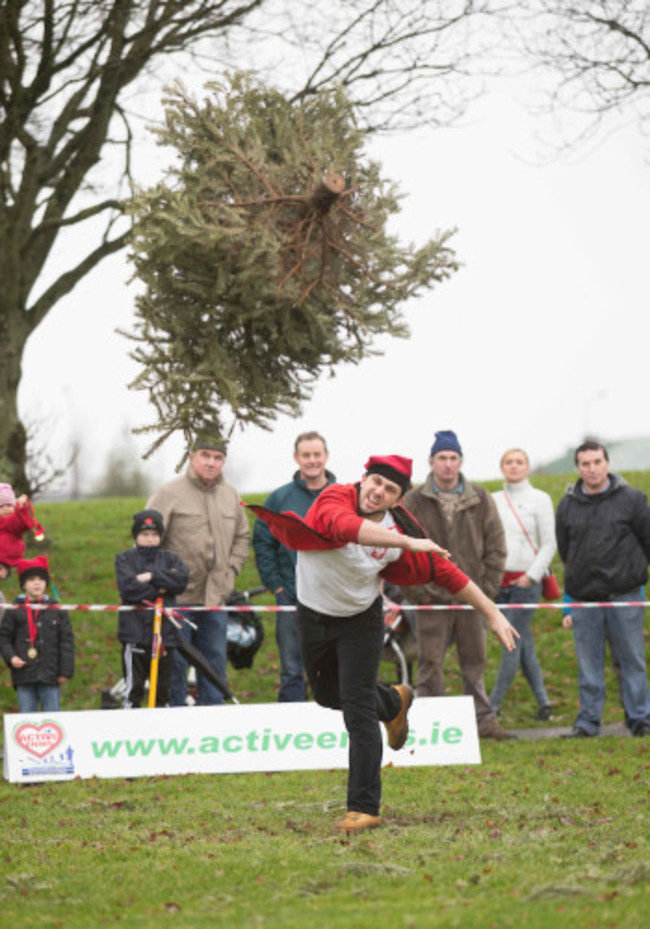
(397, 728)
(492, 730)
(357, 822)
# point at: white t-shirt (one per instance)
(344, 581)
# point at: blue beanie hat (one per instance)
(446, 441)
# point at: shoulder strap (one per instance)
(521, 525)
(407, 522)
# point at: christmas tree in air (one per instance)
(265, 257)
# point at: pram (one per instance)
(400, 636)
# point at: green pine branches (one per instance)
(265, 257)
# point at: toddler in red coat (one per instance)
(16, 518)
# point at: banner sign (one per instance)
(221, 740)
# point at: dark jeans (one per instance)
(292, 678)
(341, 658)
(136, 664)
(210, 637)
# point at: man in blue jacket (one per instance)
(276, 564)
(603, 537)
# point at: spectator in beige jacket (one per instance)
(206, 526)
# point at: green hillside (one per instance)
(82, 538)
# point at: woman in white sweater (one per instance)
(529, 523)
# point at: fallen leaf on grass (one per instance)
(164, 833)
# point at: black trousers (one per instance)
(341, 657)
(136, 663)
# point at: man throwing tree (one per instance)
(353, 536)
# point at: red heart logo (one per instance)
(38, 740)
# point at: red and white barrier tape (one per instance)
(99, 607)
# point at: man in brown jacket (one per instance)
(206, 526)
(462, 518)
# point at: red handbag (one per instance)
(550, 586)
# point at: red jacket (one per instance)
(12, 530)
(333, 520)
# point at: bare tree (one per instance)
(402, 63)
(65, 67)
(44, 472)
(593, 57)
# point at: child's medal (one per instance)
(32, 651)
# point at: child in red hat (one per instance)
(37, 644)
(16, 518)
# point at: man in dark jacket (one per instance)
(146, 573)
(276, 563)
(603, 537)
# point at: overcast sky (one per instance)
(540, 338)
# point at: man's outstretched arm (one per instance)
(472, 594)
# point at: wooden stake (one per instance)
(155, 654)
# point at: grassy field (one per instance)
(542, 833)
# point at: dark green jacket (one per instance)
(276, 564)
(475, 537)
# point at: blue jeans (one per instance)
(292, 678)
(29, 696)
(624, 627)
(210, 637)
(524, 653)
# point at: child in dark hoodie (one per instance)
(147, 572)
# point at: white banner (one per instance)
(221, 740)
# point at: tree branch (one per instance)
(69, 279)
